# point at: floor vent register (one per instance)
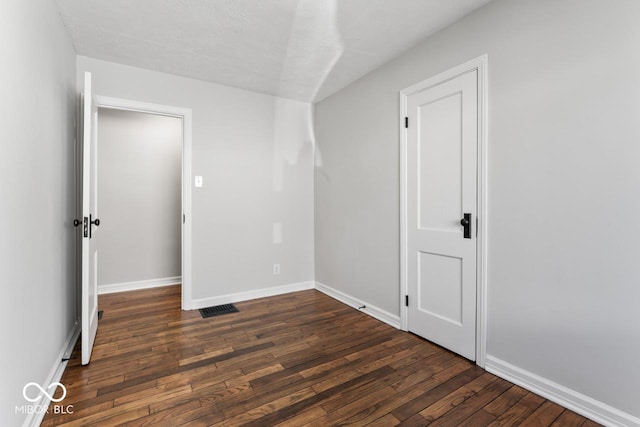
(218, 310)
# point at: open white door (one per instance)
(441, 200)
(90, 222)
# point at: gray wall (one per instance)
(139, 196)
(255, 154)
(563, 185)
(37, 271)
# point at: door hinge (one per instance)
(406, 122)
(406, 300)
(184, 218)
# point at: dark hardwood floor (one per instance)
(297, 359)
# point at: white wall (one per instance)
(37, 270)
(139, 196)
(255, 153)
(563, 186)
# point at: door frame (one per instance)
(187, 121)
(479, 64)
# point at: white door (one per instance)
(441, 196)
(90, 222)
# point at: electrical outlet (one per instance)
(276, 269)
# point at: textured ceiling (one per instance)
(300, 49)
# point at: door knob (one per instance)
(466, 223)
(92, 221)
(76, 222)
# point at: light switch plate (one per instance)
(198, 181)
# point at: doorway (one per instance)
(443, 209)
(131, 223)
(139, 172)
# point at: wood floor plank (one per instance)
(520, 411)
(373, 412)
(416, 420)
(291, 360)
(568, 419)
(386, 421)
(167, 416)
(447, 403)
(505, 401)
(474, 403)
(336, 415)
(479, 418)
(544, 415)
(414, 406)
(303, 417)
(268, 408)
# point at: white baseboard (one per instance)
(35, 418)
(373, 311)
(577, 402)
(140, 284)
(248, 295)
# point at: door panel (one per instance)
(89, 291)
(440, 286)
(441, 187)
(439, 166)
